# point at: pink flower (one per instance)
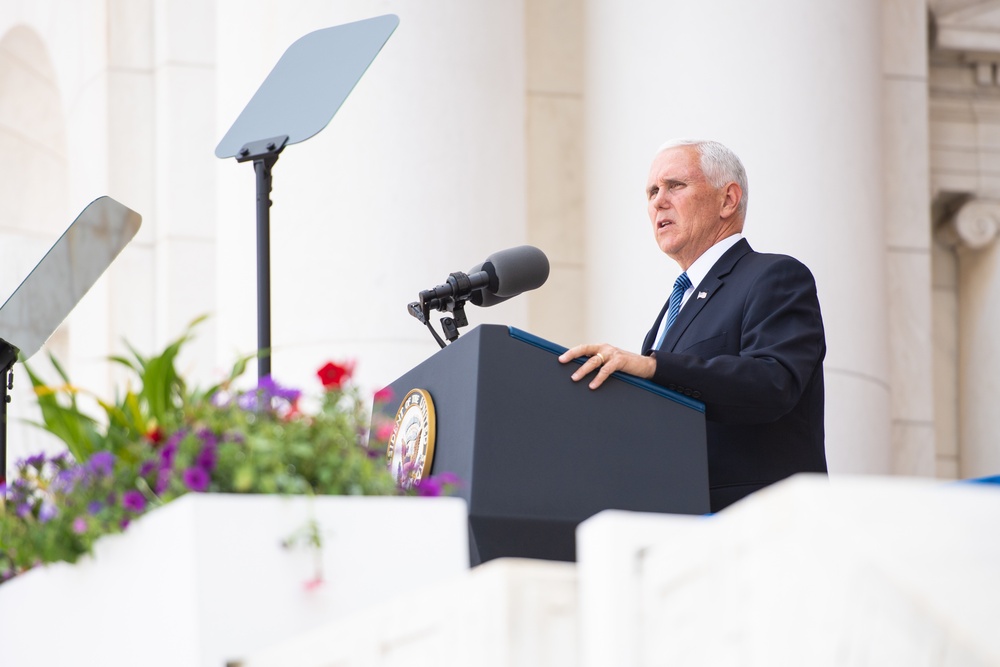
(384, 431)
(79, 525)
(383, 395)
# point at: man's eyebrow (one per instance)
(668, 182)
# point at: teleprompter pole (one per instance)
(8, 355)
(264, 154)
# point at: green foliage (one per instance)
(161, 440)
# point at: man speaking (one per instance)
(741, 330)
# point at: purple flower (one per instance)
(429, 487)
(66, 480)
(19, 491)
(233, 436)
(268, 387)
(250, 401)
(134, 501)
(163, 480)
(263, 397)
(101, 463)
(169, 450)
(196, 478)
(23, 510)
(147, 467)
(436, 485)
(206, 458)
(79, 525)
(3, 489)
(448, 478)
(208, 437)
(36, 461)
(94, 506)
(47, 512)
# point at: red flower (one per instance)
(383, 395)
(155, 436)
(333, 376)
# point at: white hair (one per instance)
(719, 164)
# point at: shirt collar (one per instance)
(701, 266)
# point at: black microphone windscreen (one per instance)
(518, 270)
(485, 297)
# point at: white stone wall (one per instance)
(965, 188)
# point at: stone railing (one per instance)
(855, 571)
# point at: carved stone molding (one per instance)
(976, 225)
(972, 30)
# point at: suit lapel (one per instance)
(704, 292)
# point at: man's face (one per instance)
(683, 206)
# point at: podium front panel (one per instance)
(538, 453)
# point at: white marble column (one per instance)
(977, 227)
(797, 92)
(908, 235)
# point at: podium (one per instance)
(538, 453)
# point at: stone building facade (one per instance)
(870, 131)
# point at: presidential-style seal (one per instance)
(411, 448)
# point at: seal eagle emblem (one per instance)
(411, 447)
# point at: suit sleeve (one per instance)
(781, 348)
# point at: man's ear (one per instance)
(732, 195)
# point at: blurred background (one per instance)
(870, 131)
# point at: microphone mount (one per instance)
(448, 298)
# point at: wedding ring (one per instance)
(601, 356)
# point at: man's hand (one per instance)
(606, 359)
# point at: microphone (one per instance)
(511, 272)
(459, 287)
(504, 274)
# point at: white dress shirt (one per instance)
(700, 268)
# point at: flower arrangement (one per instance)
(161, 440)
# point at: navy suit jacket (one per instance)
(749, 343)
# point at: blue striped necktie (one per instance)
(681, 285)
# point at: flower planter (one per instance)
(205, 579)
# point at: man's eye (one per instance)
(652, 192)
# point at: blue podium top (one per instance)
(548, 346)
